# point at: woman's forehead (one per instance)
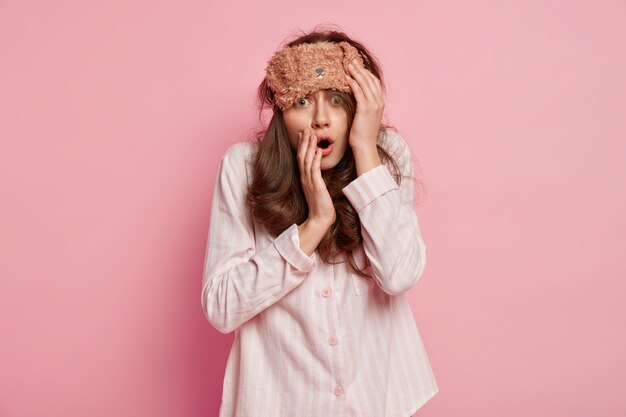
(323, 91)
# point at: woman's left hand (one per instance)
(370, 105)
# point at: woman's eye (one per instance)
(302, 100)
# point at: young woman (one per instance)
(313, 243)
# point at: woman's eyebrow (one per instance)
(324, 92)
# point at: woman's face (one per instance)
(324, 114)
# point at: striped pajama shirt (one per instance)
(317, 340)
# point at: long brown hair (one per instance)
(275, 197)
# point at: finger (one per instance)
(301, 151)
(378, 88)
(356, 91)
(374, 82)
(308, 160)
(372, 91)
(317, 170)
(304, 171)
(358, 74)
(307, 157)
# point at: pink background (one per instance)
(113, 117)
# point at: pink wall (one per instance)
(113, 117)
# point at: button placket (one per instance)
(334, 331)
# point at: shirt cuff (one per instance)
(369, 185)
(288, 245)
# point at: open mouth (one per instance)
(324, 143)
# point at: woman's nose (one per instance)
(320, 118)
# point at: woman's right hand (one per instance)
(321, 208)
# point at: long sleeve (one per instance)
(238, 281)
(392, 239)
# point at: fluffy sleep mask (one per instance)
(293, 72)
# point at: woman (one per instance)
(313, 245)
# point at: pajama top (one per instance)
(316, 340)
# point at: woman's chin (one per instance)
(326, 164)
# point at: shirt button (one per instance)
(338, 390)
(326, 292)
(332, 341)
